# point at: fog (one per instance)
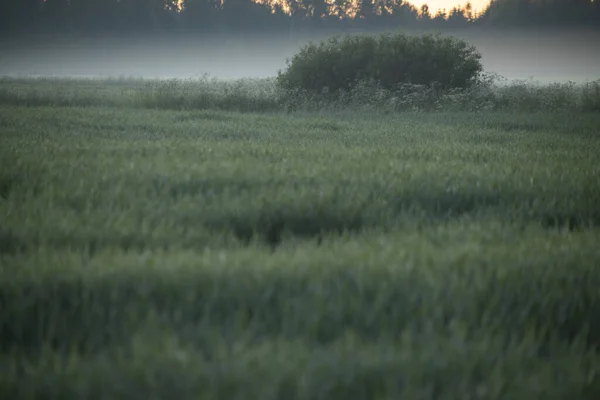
(543, 56)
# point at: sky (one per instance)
(435, 5)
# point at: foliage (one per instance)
(209, 16)
(389, 60)
(490, 93)
(548, 13)
(210, 254)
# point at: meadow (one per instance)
(209, 240)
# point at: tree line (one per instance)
(110, 16)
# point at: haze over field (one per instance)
(518, 55)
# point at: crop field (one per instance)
(198, 253)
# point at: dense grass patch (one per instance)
(491, 93)
(340, 254)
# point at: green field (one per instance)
(148, 253)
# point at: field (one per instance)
(154, 244)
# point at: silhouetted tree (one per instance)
(366, 13)
(21, 15)
(550, 13)
(199, 15)
(93, 16)
(145, 15)
(407, 13)
(244, 15)
(439, 20)
(56, 15)
(457, 18)
(468, 12)
(424, 14)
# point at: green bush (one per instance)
(391, 60)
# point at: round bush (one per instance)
(390, 60)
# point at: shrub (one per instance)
(391, 60)
(590, 96)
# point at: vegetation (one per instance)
(156, 242)
(209, 17)
(265, 95)
(390, 60)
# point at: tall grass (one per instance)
(154, 250)
(263, 95)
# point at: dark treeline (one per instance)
(110, 16)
